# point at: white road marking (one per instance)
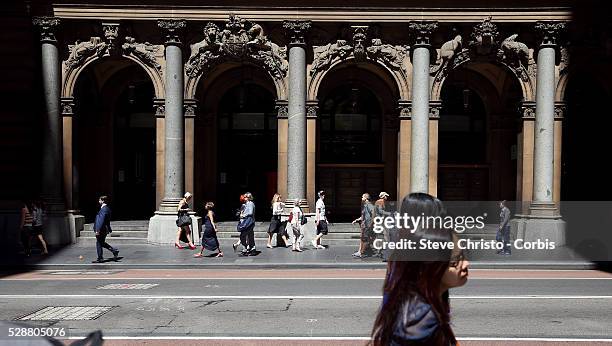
(229, 297)
(330, 338)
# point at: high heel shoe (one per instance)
(234, 246)
(192, 247)
(199, 254)
(176, 245)
(220, 254)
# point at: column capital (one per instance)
(190, 106)
(159, 107)
(172, 29)
(422, 30)
(549, 32)
(67, 106)
(312, 109)
(282, 109)
(528, 110)
(434, 109)
(296, 31)
(560, 110)
(405, 109)
(48, 27)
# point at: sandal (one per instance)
(198, 255)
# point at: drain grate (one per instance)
(67, 313)
(127, 286)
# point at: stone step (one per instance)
(123, 226)
(91, 240)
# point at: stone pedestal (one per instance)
(162, 228)
(531, 229)
(76, 223)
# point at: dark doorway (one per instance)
(247, 149)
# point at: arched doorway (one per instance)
(237, 140)
(356, 138)
(115, 139)
(478, 134)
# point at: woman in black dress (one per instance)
(209, 232)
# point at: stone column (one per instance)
(160, 144)
(403, 150)
(560, 109)
(543, 221)
(162, 225)
(528, 112)
(58, 231)
(419, 148)
(434, 117)
(543, 162)
(67, 107)
(297, 134)
(174, 181)
(190, 114)
(312, 112)
(281, 109)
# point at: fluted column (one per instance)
(174, 181)
(543, 175)
(419, 147)
(297, 132)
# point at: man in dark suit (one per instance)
(102, 228)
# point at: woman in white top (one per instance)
(275, 224)
(295, 221)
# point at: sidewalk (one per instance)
(79, 256)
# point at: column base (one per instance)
(57, 229)
(546, 210)
(169, 205)
(76, 223)
(291, 202)
(533, 229)
(163, 228)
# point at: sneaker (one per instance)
(357, 254)
(116, 253)
(320, 247)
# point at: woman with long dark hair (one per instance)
(415, 308)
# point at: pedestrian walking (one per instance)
(38, 213)
(320, 221)
(246, 226)
(296, 221)
(366, 224)
(102, 228)
(503, 232)
(25, 226)
(276, 225)
(238, 213)
(415, 309)
(209, 238)
(380, 211)
(183, 222)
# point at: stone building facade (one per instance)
(147, 102)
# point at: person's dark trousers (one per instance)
(251, 237)
(101, 243)
(506, 239)
(26, 236)
(244, 235)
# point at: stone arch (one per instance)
(70, 74)
(192, 83)
(400, 81)
(522, 77)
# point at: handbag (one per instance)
(183, 220)
(303, 220)
(244, 224)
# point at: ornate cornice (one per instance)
(67, 106)
(528, 110)
(296, 30)
(47, 27)
(549, 32)
(405, 109)
(560, 110)
(434, 109)
(282, 109)
(190, 107)
(422, 30)
(159, 106)
(240, 40)
(312, 109)
(172, 30)
(144, 52)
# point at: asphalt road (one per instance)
(319, 307)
